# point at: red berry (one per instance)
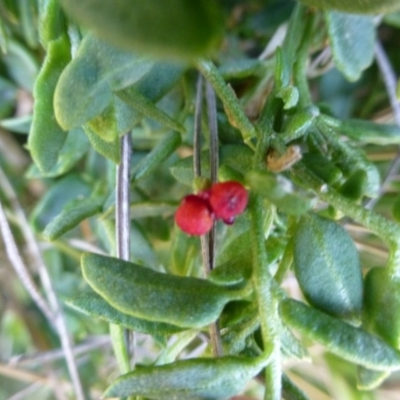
(193, 216)
(228, 199)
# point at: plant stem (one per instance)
(267, 303)
(387, 230)
(232, 106)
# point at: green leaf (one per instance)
(76, 145)
(356, 6)
(327, 267)
(144, 293)
(85, 87)
(104, 124)
(381, 305)
(151, 209)
(73, 214)
(177, 28)
(196, 379)
(17, 124)
(21, 66)
(355, 186)
(167, 145)
(46, 137)
(352, 39)
(110, 150)
(368, 379)
(184, 252)
(290, 391)
(93, 304)
(157, 82)
(237, 156)
(268, 186)
(322, 167)
(366, 131)
(346, 341)
(146, 107)
(63, 191)
(27, 16)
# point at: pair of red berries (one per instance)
(224, 201)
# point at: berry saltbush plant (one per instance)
(210, 188)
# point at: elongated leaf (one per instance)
(201, 378)
(85, 86)
(237, 156)
(356, 6)
(93, 304)
(167, 145)
(153, 86)
(346, 341)
(368, 132)
(46, 137)
(177, 28)
(68, 188)
(71, 216)
(146, 107)
(144, 293)
(352, 39)
(327, 267)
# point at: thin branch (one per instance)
(197, 127)
(54, 316)
(214, 164)
(390, 81)
(19, 266)
(123, 221)
(122, 338)
(205, 253)
(54, 355)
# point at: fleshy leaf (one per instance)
(344, 340)
(177, 28)
(356, 6)
(63, 191)
(196, 379)
(85, 87)
(167, 145)
(143, 293)
(93, 304)
(352, 39)
(327, 267)
(381, 305)
(46, 137)
(71, 216)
